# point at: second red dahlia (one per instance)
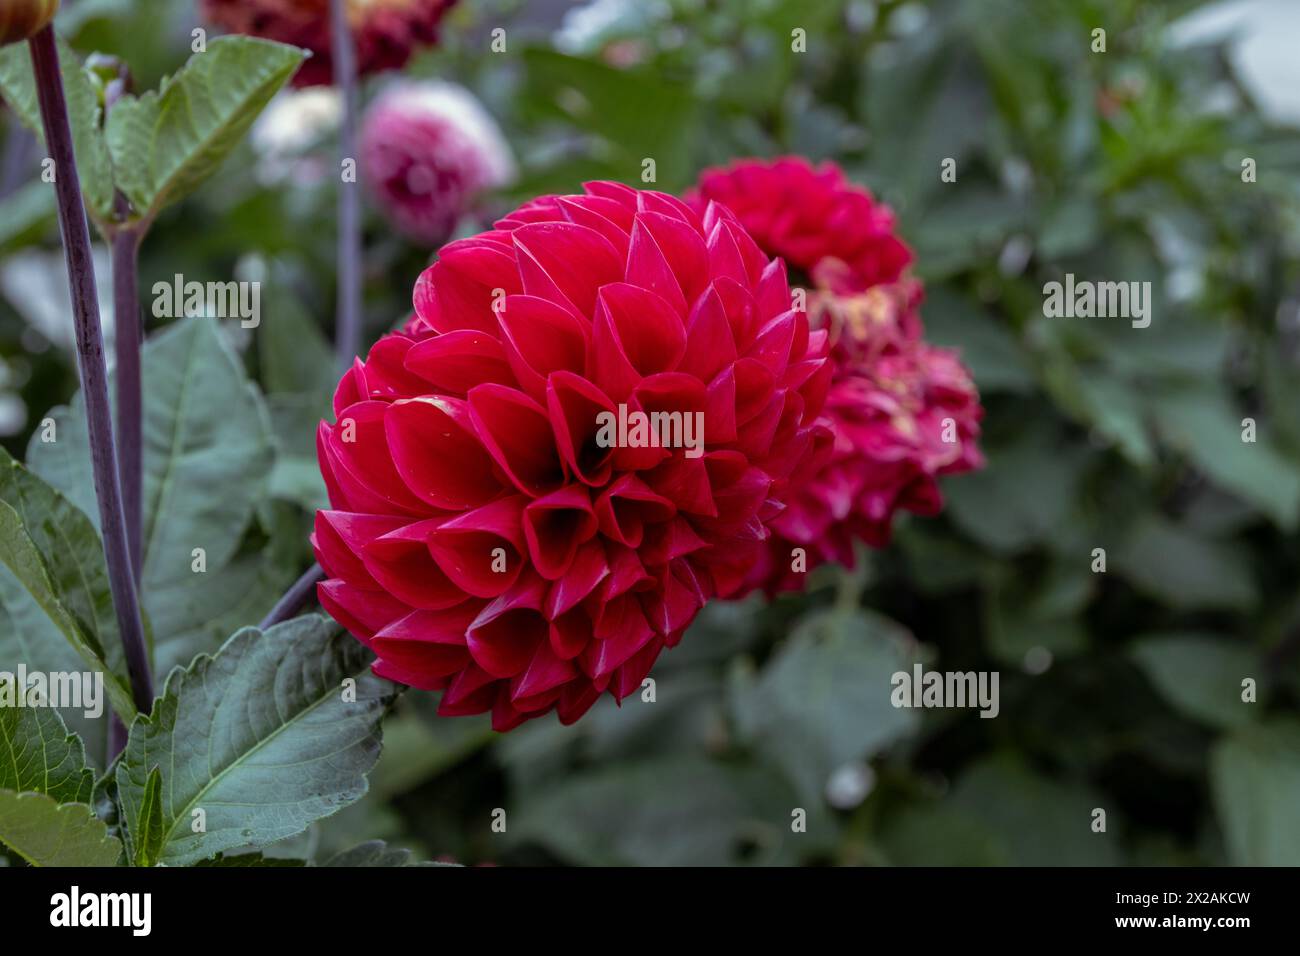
(903, 412)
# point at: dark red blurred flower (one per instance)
(386, 32)
(903, 412)
(482, 540)
(427, 150)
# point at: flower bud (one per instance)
(22, 19)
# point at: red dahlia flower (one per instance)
(903, 412)
(484, 538)
(427, 150)
(386, 32)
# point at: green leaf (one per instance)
(201, 617)
(18, 88)
(51, 549)
(73, 554)
(824, 699)
(376, 853)
(635, 112)
(147, 836)
(1200, 675)
(29, 637)
(25, 213)
(259, 737)
(988, 348)
(1205, 426)
(1255, 776)
(941, 835)
(1024, 496)
(1037, 820)
(37, 754)
(704, 813)
(207, 454)
(1039, 611)
(245, 860)
(1185, 570)
(46, 833)
(166, 143)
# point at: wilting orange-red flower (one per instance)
(22, 19)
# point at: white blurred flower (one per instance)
(292, 125)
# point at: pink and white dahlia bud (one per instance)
(428, 150)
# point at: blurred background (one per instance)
(1119, 690)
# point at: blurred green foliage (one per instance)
(1120, 690)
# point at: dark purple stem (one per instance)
(90, 360)
(348, 322)
(294, 598)
(130, 401)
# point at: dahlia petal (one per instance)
(517, 433)
(481, 551)
(430, 644)
(351, 388)
(385, 373)
(458, 291)
(542, 337)
(503, 644)
(361, 612)
(403, 564)
(754, 384)
(626, 573)
(570, 632)
(682, 245)
(505, 716)
(773, 345)
(455, 362)
(648, 268)
(472, 691)
(621, 631)
(503, 637)
(685, 482)
(669, 540)
(555, 525)
(772, 293)
(546, 671)
(709, 344)
(567, 258)
(635, 333)
(626, 506)
(337, 555)
(607, 217)
(588, 569)
(438, 454)
(576, 699)
(720, 408)
(574, 406)
(361, 461)
(632, 673)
